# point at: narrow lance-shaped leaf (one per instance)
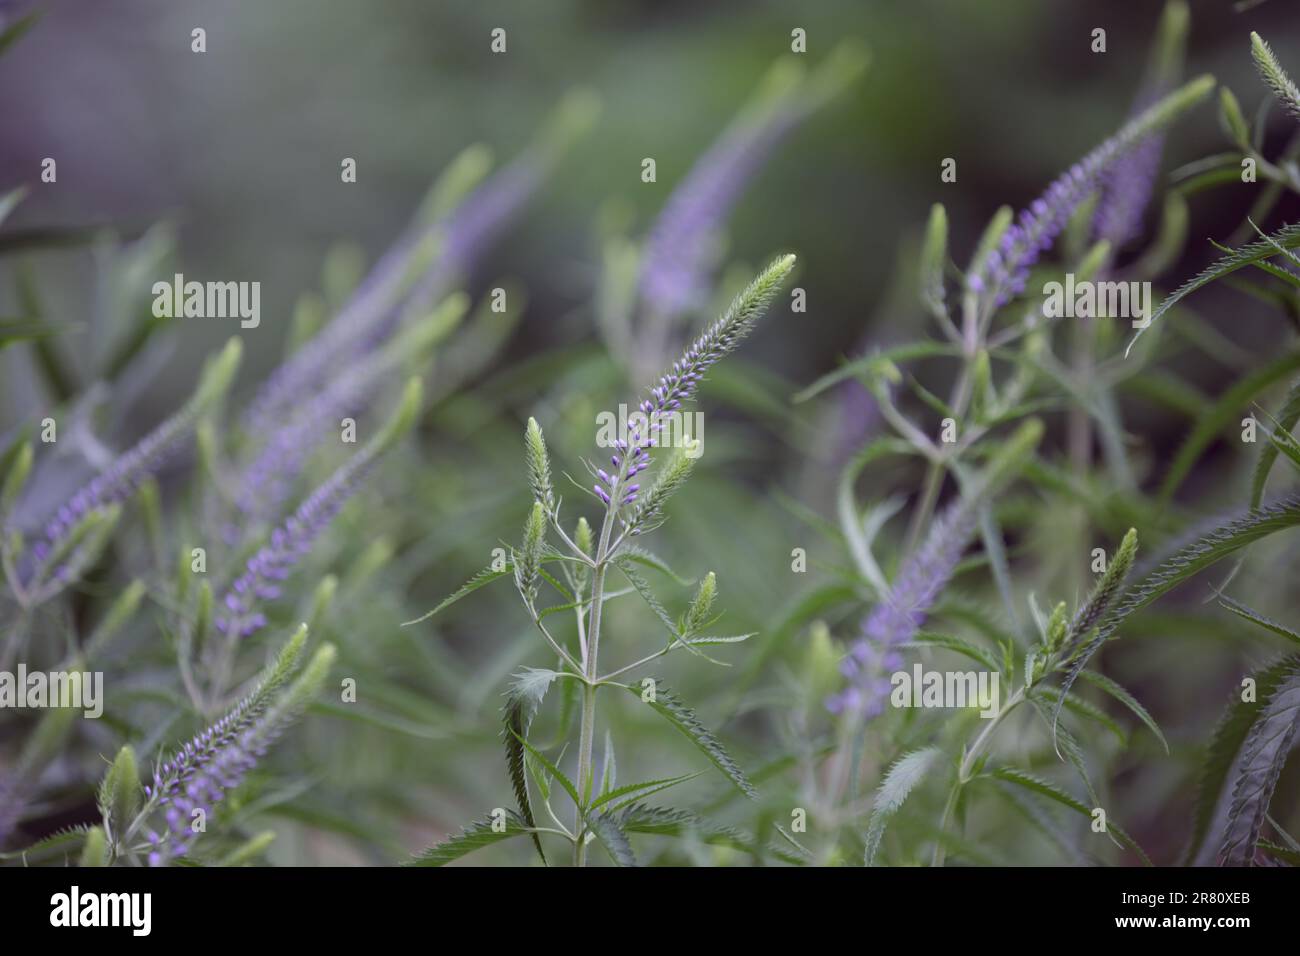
(633, 792)
(683, 718)
(479, 834)
(1250, 614)
(1225, 412)
(526, 693)
(1286, 419)
(1051, 791)
(482, 578)
(1288, 237)
(1129, 701)
(1187, 561)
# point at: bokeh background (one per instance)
(230, 160)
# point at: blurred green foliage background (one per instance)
(237, 151)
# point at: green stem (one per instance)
(967, 767)
(958, 402)
(590, 663)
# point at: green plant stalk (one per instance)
(959, 402)
(1080, 422)
(587, 734)
(967, 765)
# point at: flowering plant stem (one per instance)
(967, 768)
(589, 664)
(959, 402)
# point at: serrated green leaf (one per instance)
(1225, 743)
(1128, 700)
(1250, 614)
(65, 842)
(611, 836)
(518, 714)
(1285, 854)
(1288, 237)
(1204, 550)
(1044, 788)
(906, 772)
(958, 646)
(672, 822)
(1223, 412)
(553, 770)
(1264, 753)
(642, 588)
(1085, 709)
(641, 556)
(475, 836)
(639, 791)
(1286, 419)
(683, 718)
(482, 578)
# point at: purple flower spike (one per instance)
(287, 545)
(899, 615)
(1004, 271)
(673, 277)
(373, 308)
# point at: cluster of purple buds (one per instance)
(638, 459)
(201, 773)
(867, 668)
(1129, 185)
(673, 389)
(239, 616)
(115, 484)
(1006, 269)
(679, 384)
(268, 480)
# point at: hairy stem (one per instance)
(589, 664)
